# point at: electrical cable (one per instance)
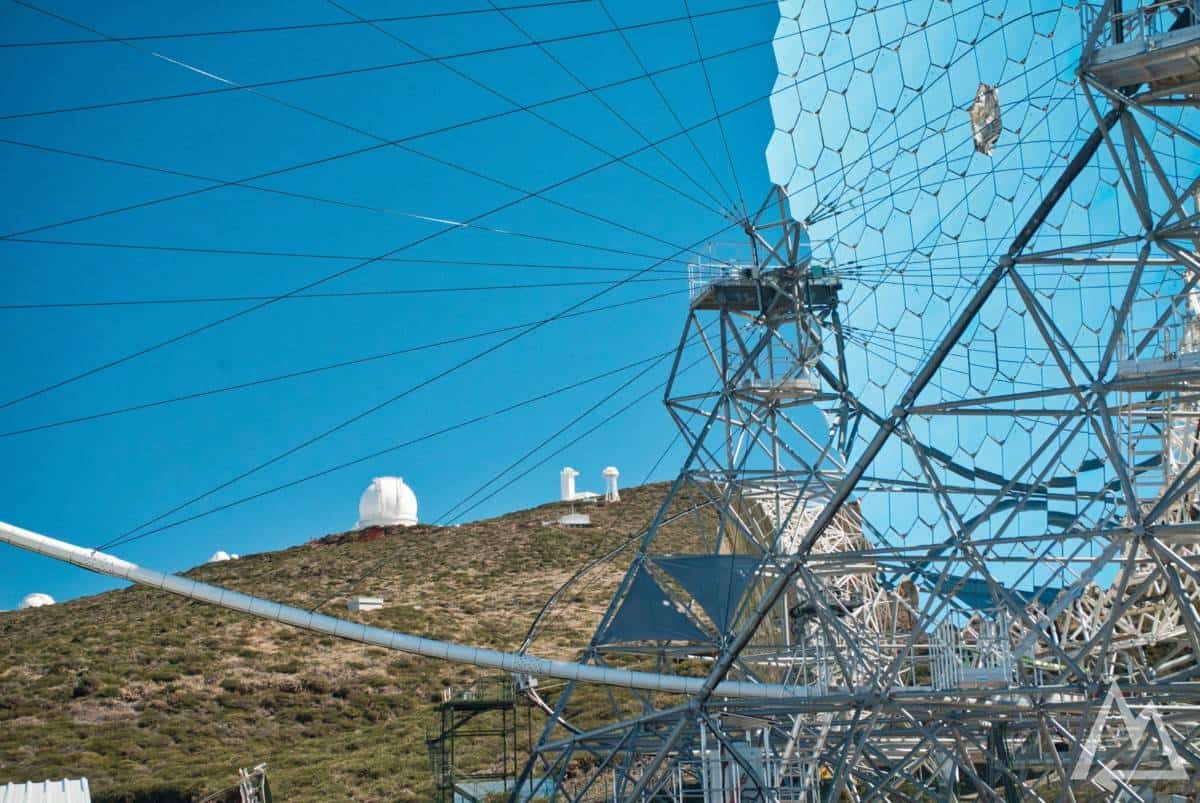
(394, 65)
(402, 394)
(180, 249)
(296, 27)
(716, 112)
(316, 370)
(154, 302)
(322, 280)
(379, 453)
(607, 106)
(543, 443)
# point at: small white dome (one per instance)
(611, 471)
(219, 556)
(386, 503)
(35, 601)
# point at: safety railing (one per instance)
(1141, 22)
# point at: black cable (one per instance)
(317, 370)
(578, 438)
(666, 103)
(395, 65)
(179, 249)
(544, 442)
(444, 129)
(379, 453)
(538, 115)
(408, 391)
(545, 51)
(327, 278)
(369, 573)
(286, 28)
(149, 302)
(220, 183)
(691, 18)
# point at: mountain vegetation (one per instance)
(156, 698)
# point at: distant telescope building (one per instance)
(611, 494)
(35, 601)
(387, 502)
(566, 484)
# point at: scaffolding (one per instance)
(478, 723)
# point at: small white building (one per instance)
(220, 556)
(566, 488)
(566, 484)
(575, 520)
(387, 502)
(35, 600)
(68, 790)
(611, 494)
(364, 604)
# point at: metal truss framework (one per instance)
(973, 659)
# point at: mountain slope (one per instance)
(153, 697)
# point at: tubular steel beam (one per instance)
(112, 566)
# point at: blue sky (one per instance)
(439, 184)
(90, 482)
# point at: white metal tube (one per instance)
(517, 663)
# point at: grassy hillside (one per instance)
(155, 698)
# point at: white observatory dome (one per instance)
(219, 556)
(35, 601)
(387, 502)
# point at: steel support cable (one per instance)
(317, 369)
(113, 566)
(408, 63)
(370, 573)
(737, 184)
(550, 122)
(491, 263)
(159, 302)
(731, 213)
(386, 450)
(381, 140)
(322, 280)
(371, 148)
(498, 476)
(649, 365)
(600, 424)
(666, 103)
(575, 440)
(295, 27)
(222, 183)
(410, 390)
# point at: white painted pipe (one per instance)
(517, 663)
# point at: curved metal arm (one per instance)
(390, 639)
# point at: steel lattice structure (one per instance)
(938, 515)
(979, 266)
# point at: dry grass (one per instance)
(155, 698)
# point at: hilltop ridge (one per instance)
(157, 698)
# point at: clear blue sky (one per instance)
(90, 482)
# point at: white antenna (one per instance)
(611, 494)
(566, 482)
